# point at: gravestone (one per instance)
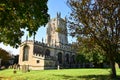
(116, 65)
(58, 67)
(25, 68)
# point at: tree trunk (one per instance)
(119, 65)
(113, 70)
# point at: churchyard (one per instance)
(62, 74)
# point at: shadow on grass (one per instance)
(87, 77)
(5, 78)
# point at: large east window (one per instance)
(25, 53)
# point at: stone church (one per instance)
(48, 54)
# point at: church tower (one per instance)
(57, 31)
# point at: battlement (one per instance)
(66, 47)
(27, 41)
(32, 41)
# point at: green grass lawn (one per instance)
(63, 74)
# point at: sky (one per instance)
(54, 6)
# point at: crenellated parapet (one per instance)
(38, 43)
(39, 46)
(27, 41)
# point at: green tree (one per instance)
(16, 15)
(98, 20)
(87, 52)
(5, 56)
(117, 59)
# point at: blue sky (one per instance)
(54, 6)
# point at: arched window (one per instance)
(25, 53)
(60, 58)
(73, 59)
(67, 58)
(47, 53)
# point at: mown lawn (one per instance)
(63, 74)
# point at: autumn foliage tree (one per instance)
(16, 15)
(98, 20)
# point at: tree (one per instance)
(16, 15)
(98, 20)
(117, 59)
(5, 56)
(87, 52)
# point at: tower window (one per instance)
(53, 24)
